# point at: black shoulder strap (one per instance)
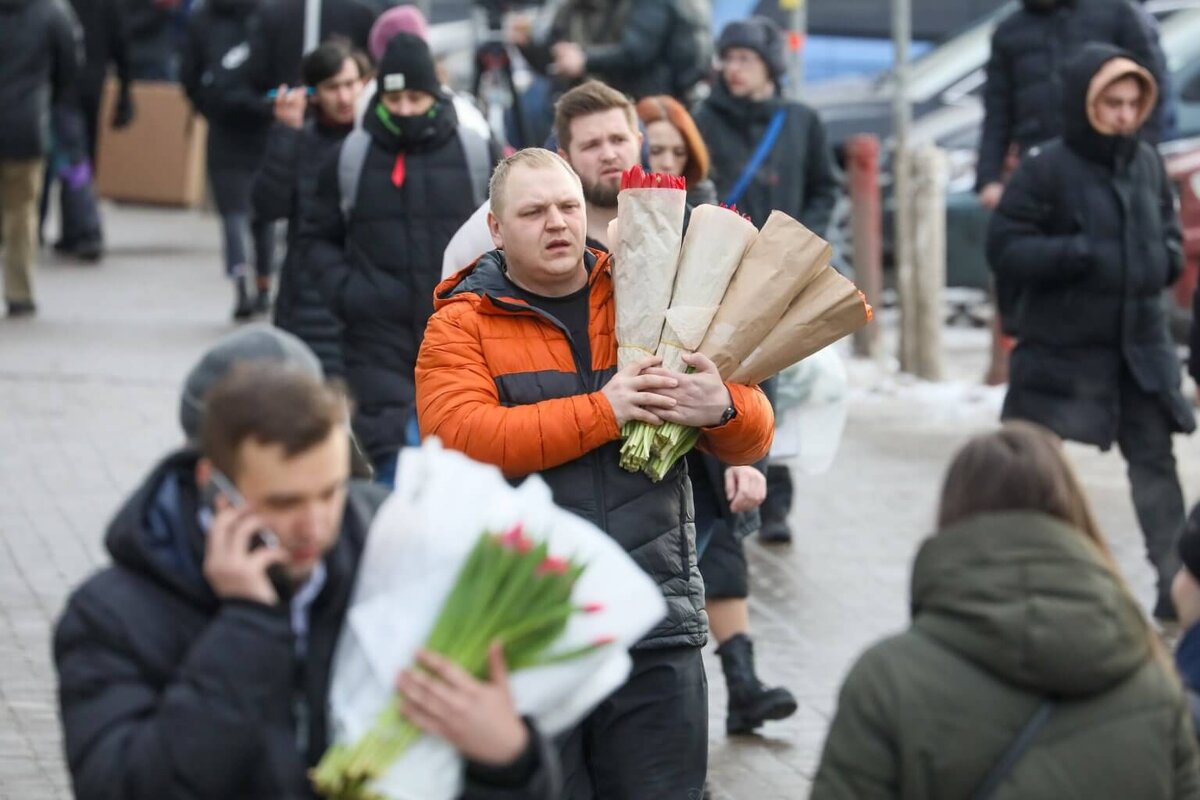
(998, 773)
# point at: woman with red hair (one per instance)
(676, 146)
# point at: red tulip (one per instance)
(553, 565)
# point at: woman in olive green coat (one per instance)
(1018, 612)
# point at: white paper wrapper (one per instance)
(645, 257)
(415, 549)
(715, 242)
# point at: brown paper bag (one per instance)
(829, 308)
(783, 259)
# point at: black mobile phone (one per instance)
(265, 537)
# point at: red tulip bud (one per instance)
(553, 565)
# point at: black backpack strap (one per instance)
(998, 773)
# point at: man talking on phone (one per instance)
(198, 665)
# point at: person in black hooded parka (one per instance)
(217, 50)
(1088, 236)
(286, 185)
(182, 673)
(1025, 81)
(378, 255)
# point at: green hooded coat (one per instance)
(1009, 610)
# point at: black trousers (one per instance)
(649, 739)
(1144, 438)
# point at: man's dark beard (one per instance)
(600, 194)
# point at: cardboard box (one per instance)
(160, 157)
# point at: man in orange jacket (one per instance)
(519, 368)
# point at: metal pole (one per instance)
(797, 36)
(902, 185)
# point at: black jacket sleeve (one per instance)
(323, 237)
(273, 193)
(643, 41)
(1172, 233)
(66, 44)
(258, 72)
(535, 775)
(192, 62)
(821, 182)
(196, 737)
(1020, 247)
(997, 117)
(117, 28)
(146, 18)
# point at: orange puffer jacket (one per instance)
(498, 380)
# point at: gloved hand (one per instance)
(123, 113)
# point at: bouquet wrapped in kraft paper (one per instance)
(827, 309)
(779, 266)
(713, 247)
(783, 259)
(649, 229)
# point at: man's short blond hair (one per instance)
(532, 157)
(590, 97)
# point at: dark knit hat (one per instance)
(258, 342)
(408, 64)
(761, 35)
(1189, 543)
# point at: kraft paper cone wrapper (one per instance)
(828, 309)
(650, 226)
(783, 259)
(714, 245)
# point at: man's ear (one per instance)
(565, 157)
(204, 470)
(494, 229)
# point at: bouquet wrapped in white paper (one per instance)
(415, 554)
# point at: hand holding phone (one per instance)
(243, 558)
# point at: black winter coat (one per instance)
(640, 48)
(378, 270)
(211, 73)
(277, 37)
(152, 41)
(40, 54)
(286, 188)
(798, 176)
(166, 692)
(1025, 82)
(105, 41)
(1087, 234)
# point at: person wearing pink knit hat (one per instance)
(401, 19)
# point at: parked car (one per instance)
(1182, 159)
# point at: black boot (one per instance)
(750, 703)
(243, 307)
(262, 297)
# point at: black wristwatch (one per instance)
(730, 413)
